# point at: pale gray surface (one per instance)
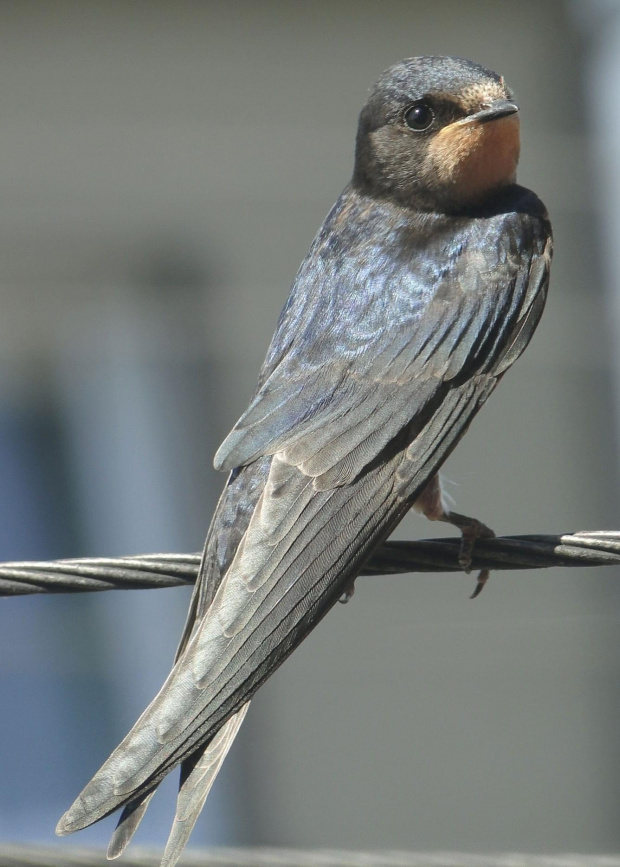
(39, 856)
(221, 133)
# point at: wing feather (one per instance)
(227, 528)
(354, 385)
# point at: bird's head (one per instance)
(437, 134)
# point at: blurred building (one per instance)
(163, 169)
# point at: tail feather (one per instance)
(127, 826)
(197, 777)
(195, 788)
(271, 597)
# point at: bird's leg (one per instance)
(431, 504)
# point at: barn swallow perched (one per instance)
(424, 284)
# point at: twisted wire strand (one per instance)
(65, 856)
(587, 548)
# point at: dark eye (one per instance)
(419, 117)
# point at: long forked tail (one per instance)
(294, 562)
(194, 788)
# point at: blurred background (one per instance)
(163, 170)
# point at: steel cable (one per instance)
(592, 548)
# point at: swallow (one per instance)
(423, 286)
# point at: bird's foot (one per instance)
(348, 593)
(483, 577)
(471, 530)
(433, 504)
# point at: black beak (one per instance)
(498, 108)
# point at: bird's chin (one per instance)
(472, 160)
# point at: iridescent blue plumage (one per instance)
(386, 310)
